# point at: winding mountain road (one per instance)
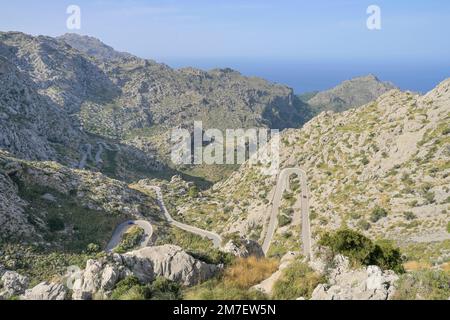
(145, 225)
(214, 237)
(282, 185)
(148, 229)
(123, 227)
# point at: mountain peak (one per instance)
(350, 94)
(93, 47)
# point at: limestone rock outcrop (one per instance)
(168, 261)
(46, 291)
(344, 283)
(12, 284)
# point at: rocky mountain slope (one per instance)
(138, 102)
(349, 94)
(382, 168)
(31, 125)
(82, 125)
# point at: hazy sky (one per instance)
(413, 31)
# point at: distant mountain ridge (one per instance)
(136, 101)
(349, 94)
(93, 47)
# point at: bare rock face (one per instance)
(12, 284)
(245, 248)
(168, 261)
(370, 283)
(31, 124)
(13, 220)
(99, 276)
(46, 291)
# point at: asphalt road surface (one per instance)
(282, 185)
(123, 227)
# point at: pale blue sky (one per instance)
(206, 33)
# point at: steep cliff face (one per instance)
(31, 125)
(60, 72)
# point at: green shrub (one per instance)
(55, 224)
(429, 197)
(193, 192)
(130, 289)
(160, 289)
(92, 248)
(213, 256)
(364, 224)
(377, 214)
(164, 289)
(350, 243)
(297, 280)
(365, 161)
(386, 256)
(283, 220)
(409, 215)
(363, 251)
(448, 227)
(131, 239)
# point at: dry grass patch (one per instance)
(247, 272)
(446, 267)
(416, 265)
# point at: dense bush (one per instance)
(131, 239)
(214, 256)
(160, 289)
(193, 192)
(40, 264)
(283, 220)
(130, 289)
(55, 224)
(298, 280)
(163, 289)
(361, 250)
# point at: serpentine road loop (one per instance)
(148, 229)
(282, 185)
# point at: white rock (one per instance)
(13, 284)
(170, 262)
(46, 291)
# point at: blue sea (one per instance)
(305, 76)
